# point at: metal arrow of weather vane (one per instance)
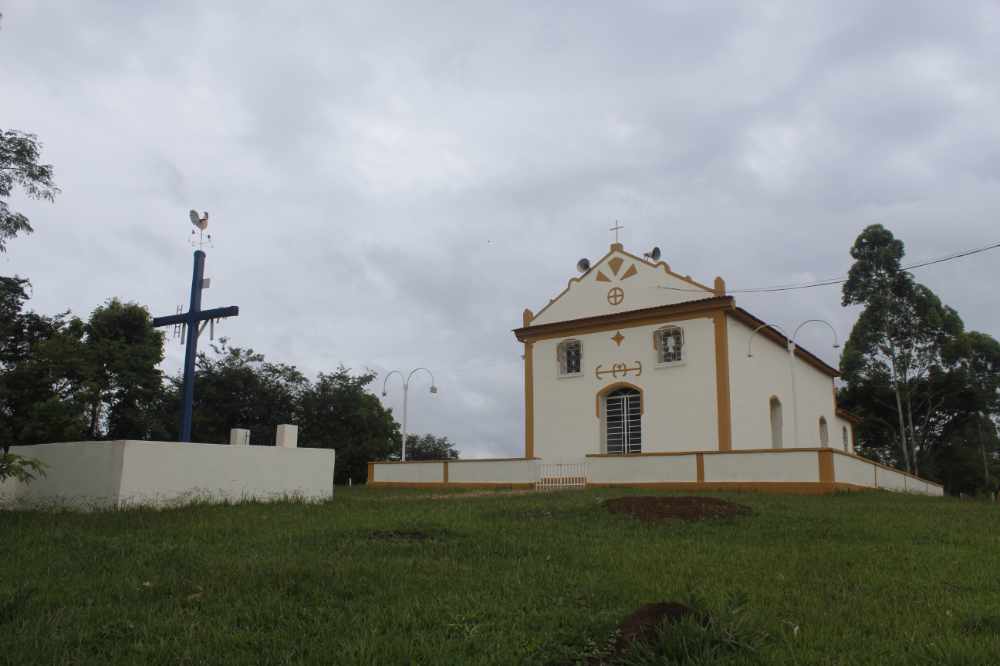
(193, 321)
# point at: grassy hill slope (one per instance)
(404, 577)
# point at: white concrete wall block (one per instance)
(85, 474)
(409, 472)
(239, 437)
(891, 480)
(644, 469)
(788, 467)
(492, 471)
(853, 471)
(287, 436)
(126, 472)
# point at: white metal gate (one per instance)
(623, 421)
(555, 476)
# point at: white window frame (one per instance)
(658, 341)
(559, 359)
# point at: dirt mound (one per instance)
(641, 626)
(654, 509)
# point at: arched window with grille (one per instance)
(570, 356)
(824, 432)
(669, 344)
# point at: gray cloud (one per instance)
(391, 184)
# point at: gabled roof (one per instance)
(641, 282)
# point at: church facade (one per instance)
(635, 375)
(633, 358)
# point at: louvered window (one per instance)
(669, 343)
(570, 357)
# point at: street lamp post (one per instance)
(406, 388)
(791, 361)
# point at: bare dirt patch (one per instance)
(642, 626)
(655, 509)
(643, 623)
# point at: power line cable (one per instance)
(842, 279)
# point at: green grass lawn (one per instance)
(871, 578)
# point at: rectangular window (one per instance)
(670, 344)
(570, 358)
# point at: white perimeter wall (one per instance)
(788, 466)
(410, 472)
(644, 469)
(89, 473)
(124, 472)
(737, 467)
(679, 400)
(754, 380)
(485, 471)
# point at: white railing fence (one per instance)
(557, 476)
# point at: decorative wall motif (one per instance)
(616, 295)
(619, 370)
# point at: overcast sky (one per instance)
(390, 185)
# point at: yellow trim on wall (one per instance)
(723, 399)
(826, 473)
(529, 400)
(630, 318)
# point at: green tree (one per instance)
(239, 388)
(337, 412)
(37, 400)
(427, 447)
(897, 342)
(121, 380)
(975, 357)
(20, 167)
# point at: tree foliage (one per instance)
(916, 376)
(338, 412)
(427, 447)
(20, 167)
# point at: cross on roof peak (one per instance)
(618, 227)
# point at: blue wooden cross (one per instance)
(191, 319)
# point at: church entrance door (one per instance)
(623, 421)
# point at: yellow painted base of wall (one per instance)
(460, 486)
(734, 487)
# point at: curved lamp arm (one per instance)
(386, 380)
(836, 341)
(750, 341)
(434, 388)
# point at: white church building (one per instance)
(635, 375)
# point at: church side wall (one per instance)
(679, 401)
(837, 435)
(754, 380)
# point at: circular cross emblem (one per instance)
(616, 295)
